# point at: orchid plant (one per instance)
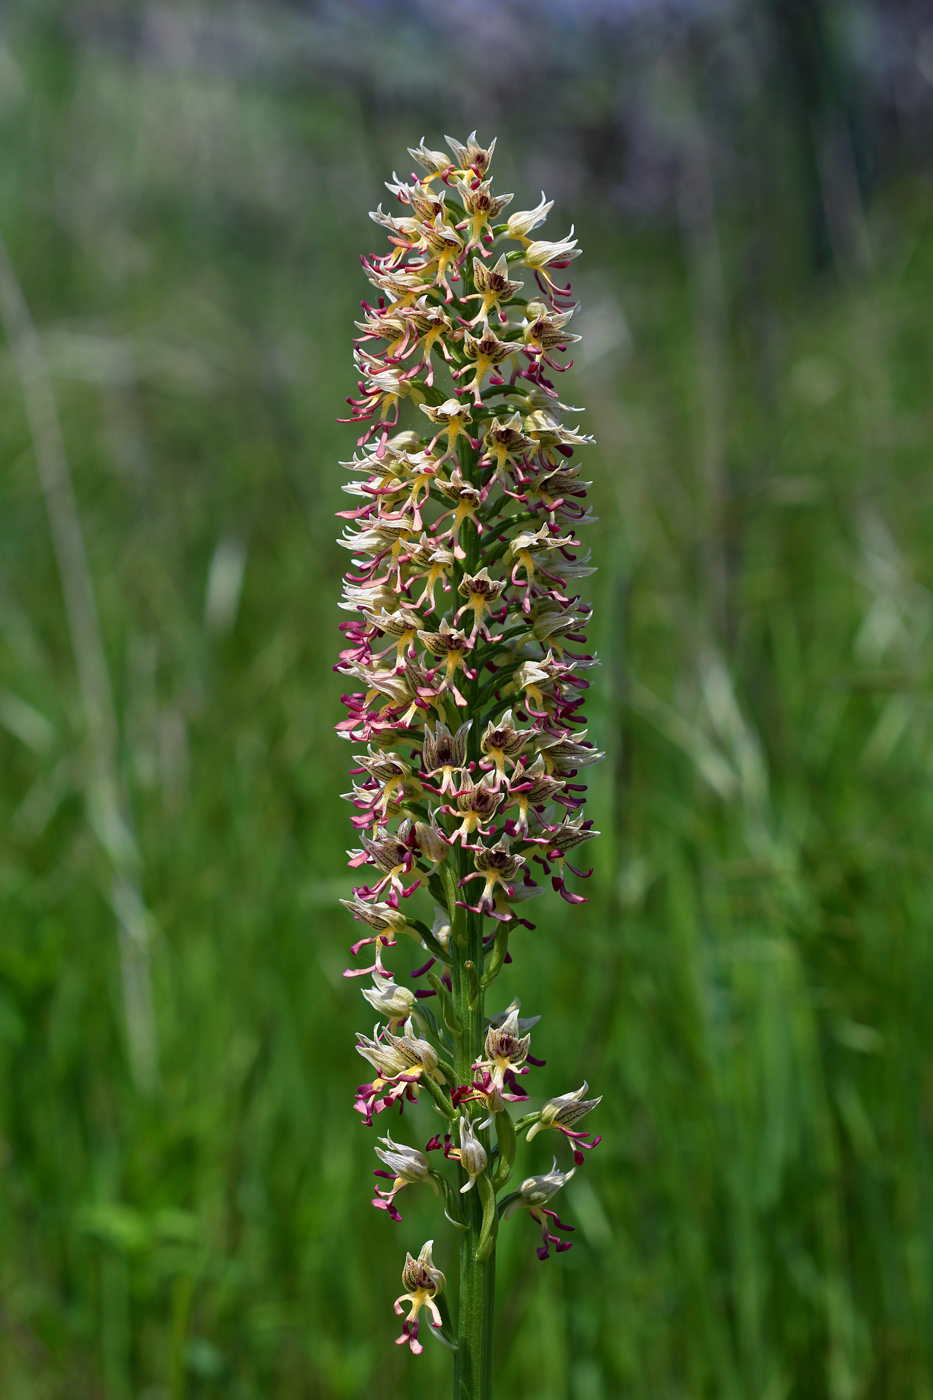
(465, 654)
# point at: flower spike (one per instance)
(465, 666)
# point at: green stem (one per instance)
(473, 1360)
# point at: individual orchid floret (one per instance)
(394, 859)
(506, 1051)
(382, 387)
(398, 1054)
(404, 233)
(451, 417)
(506, 444)
(434, 162)
(532, 545)
(430, 327)
(545, 331)
(565, 756)
(571, 833)
(401, 288)
(475, 804)
(541, 255)
(552, 625)
(432, 843)
(396, 1003)
(445, 753)
(493, 288)
(502, 741)
(402, 626)
(452, 646)
(561, 1113)
(480, 592)
(426, 203)
(533, 677)
(443, 246)
(381, 917)
(481, 208)
(486, 353)
(470, 1154)
(520, 224)
(387, 923)
(497, 865)
(532, 788)
(407, 1167)
(432, 561)
(472, 156)
(533, 1195)
(389, 770)
(401, 1062)
(422, 1283)
(468, 500)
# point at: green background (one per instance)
(183, 195)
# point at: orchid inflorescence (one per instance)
(465, 654)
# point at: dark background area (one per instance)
(183, 1183)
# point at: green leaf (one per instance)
(490, 1225)
(505, 1136)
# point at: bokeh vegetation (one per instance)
(749, 987)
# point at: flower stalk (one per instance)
(466, 687)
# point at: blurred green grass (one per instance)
(749, 986)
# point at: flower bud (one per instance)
(432, 843)
(520, 224)
(471, 1153)
(441, 928)
(390, 1000)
